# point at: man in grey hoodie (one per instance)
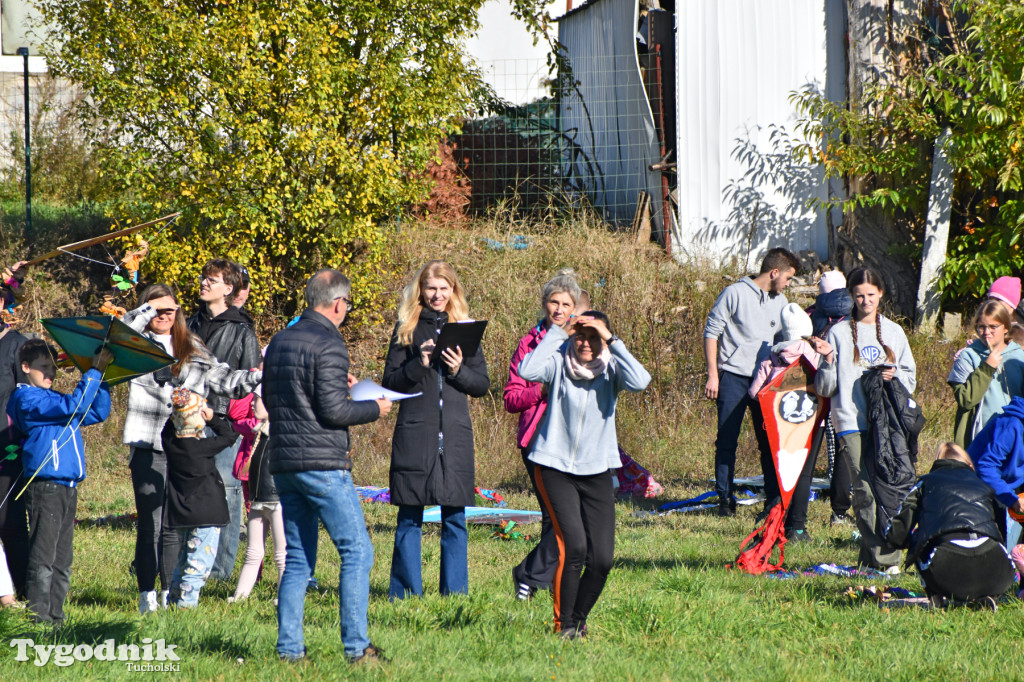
(741, 326)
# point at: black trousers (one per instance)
(51, 521)
(582, 510)
(156, 545)
(538, 568)
(964, 573)
(14, 522)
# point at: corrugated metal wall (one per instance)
(606, 116)
(738, 62)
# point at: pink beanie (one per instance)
(830, 281)
(1007, 290)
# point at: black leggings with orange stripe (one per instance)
(582, 510)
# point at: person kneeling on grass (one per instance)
(196, 504)
(573, 451)
(948, 525)
(53, 457)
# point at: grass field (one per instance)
(670, 611)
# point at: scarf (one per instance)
(585, 371)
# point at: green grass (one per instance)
(670, 611)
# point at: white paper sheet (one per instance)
(368, 390)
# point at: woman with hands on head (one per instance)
(160, 319)
(432, 449)
(573, 451)
(528, 399)
(987, 373)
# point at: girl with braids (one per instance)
(852, 348)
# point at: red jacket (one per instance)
(524, 397)
(240, 412)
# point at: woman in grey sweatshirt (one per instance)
(574, 449)
(851, 348)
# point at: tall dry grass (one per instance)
(657, 306)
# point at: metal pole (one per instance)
(23, 51)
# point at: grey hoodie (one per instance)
(744, 319)
(840, 379)
(578, 435)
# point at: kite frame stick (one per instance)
(66, 248)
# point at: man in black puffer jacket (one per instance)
(228, 334)
(305, 389)
(948, 523)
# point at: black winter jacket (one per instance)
(261, 482)
(305, 389)
(231, 339)
(427, 468)
(949, 499)
(195, 491)
(894, 423)
(10, 376)
(828, 309)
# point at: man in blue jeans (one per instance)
(741, 326)
(305, 388)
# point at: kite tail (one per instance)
(756, 559)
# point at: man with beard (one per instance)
(740, 328)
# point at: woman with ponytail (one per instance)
(852, 348)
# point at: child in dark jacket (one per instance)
(833, 304)
(196, 506)
(53, 459)
(948, 524)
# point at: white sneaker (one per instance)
(164, 594)
(892, 570)
(147, 602)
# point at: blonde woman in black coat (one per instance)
(432, 449)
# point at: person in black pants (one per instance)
(529, 400)
(948, 524)
(13, 517)
(574, 450)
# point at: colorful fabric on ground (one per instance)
(486, 515)
(369, 493)
(509, 530)
(831, 569)
(492, 496)
(635, 480)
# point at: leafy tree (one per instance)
(965, 73)
(287, 131)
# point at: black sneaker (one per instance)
(525, 592)
(573, 632)
(726, 507)
(313, 586)
(798, 536)
(839, 520)
(371, 654)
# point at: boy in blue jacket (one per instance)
(54, 455)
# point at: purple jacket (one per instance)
(523, 397)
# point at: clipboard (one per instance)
(466, 335)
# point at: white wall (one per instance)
(504, 49)
(738, 61)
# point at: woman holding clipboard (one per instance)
(432, 449)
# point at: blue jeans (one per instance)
(406, 563)
(330, 497)
(227, 548)
(732, 404)
(195, 559)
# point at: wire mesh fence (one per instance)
(585, 135)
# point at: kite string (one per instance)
(91, 260)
